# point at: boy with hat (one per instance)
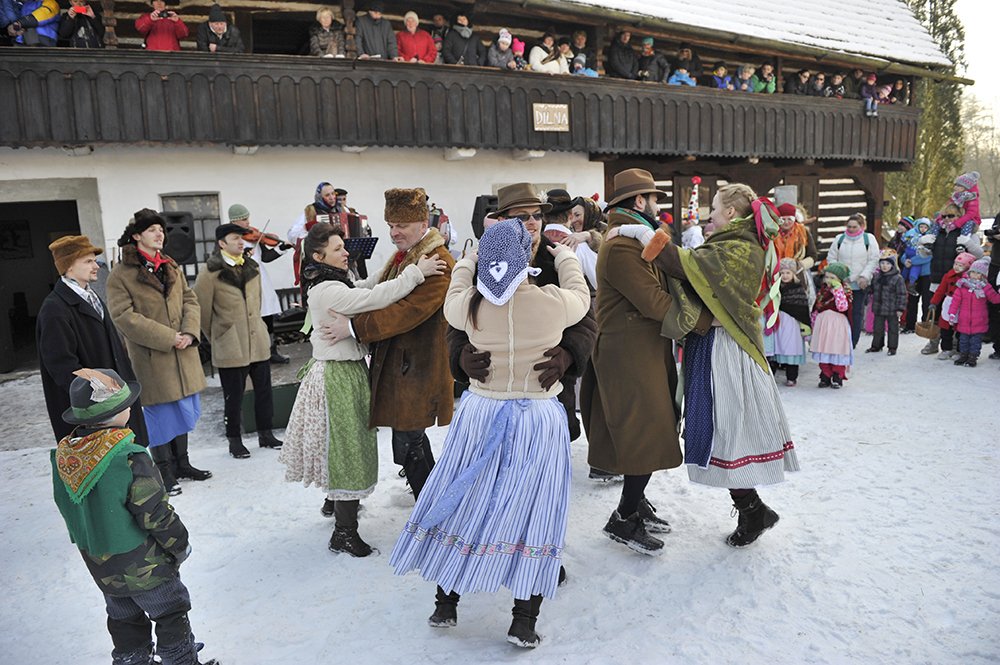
(116, 510)
(228, 292)
(216, 35)
(889, 297)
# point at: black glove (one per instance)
(474, 363)
(559, 360)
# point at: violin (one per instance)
(270, 240)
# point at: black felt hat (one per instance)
(97, 395)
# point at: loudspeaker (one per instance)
(179, 243)
(485, 204)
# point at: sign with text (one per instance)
(551, 117)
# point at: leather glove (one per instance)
(553, 369)
(474, 363)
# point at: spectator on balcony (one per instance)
(721, 80)
(853, 83)
(764, 79)
(579, 66)
(439, 30)
(685, 53)
(565, 52)
(817, 84)
(82, 26)
(580, 48)
(517, 48)
(217, 36)
(374, 36)
(835, 87)
(899, 94)
(499, 55)
(653, 66)
(461, 47)
(326, 38)
(544, 55)
(798, 83)
(414, 44)
(869, 94)
(162, 29)
(681, 76)
(741, 82)
(32, 23)
(623, 63)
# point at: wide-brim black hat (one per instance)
(561, 201)
(85, 411)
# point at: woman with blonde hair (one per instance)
(326, 38)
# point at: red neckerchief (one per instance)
(157, 260)
(397, 260)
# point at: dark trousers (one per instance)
(858, 314)
(131, 618)
(633, 490)
(411, 449)
(878, 331)
(994, 310)
(234, 381)
(970, 345)
(922, 301)
(948, 336)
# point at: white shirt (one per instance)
(86, 293)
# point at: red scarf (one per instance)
(397, 260)
(157, 260)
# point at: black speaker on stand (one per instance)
(485, 204)
(179, 243)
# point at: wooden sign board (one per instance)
(551, 117)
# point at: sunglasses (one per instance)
(537, 216)
(948, 216)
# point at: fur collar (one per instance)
(233, 275)
(131, 257)
(426, 245)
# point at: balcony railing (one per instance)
(63, 97)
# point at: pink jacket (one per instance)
(970, 312)
(970, 212)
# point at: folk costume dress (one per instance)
(328, 442)
(493, 511)
(786, 344)
(831, 341)
(735, 431)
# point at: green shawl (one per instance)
(726, 274)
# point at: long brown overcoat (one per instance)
(411, 384)
(627, 393)
(229, 298)
(149, 314)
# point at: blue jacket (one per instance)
(678, 78)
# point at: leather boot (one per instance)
(445, 609)
(755, 518)
(345, 536)
(522, 627)
(631, 532)
(277, 358)
(654, 524)
(236, 447)
(417, 466)
(163, 456)
(183, 466)
(266, 439)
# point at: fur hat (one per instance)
(141, 220)
(839, 270)
(968, 180)
(238, 212)
(982, 266)
(965, 259)
(786, 210)
(66, 250)
(788, 264)
(406, 206)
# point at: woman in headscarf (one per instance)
(324, 203)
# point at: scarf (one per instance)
(237, 259)
(856, 234)
(82, 461)
(463, 31)
(321, 207)
(791, 244)
(961, 198)
(977, 287)
(636, 216)
(316, 273)
(153, 261)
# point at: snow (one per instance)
(886, 551)
(877, 28)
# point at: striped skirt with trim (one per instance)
(493, 512)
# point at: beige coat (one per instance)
(627, 394)
(518, 333)
(229, 297)
(149, 315)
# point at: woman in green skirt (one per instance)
(328, 442)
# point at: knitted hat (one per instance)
(887, 255)
(907, 222)
(786, 210)
(504, 252)
(840, 270)
(968, 180)
(66, 250)
(517, 46)
(871, 78)
(222, 230)
(238, 212)
(96, 395)
(922, 221)
(965, 259)
(505, 36)
(411, 14)
(982, 266)
(216, 15)
(406, 206)
(647, 40)
(788, 264)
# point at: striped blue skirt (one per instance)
(493, 512)
(171, 419)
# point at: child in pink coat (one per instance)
(968, 312)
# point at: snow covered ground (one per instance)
(887, 550)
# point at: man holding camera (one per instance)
(162, 29)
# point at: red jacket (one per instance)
(162, 35)
(418, 45)
(945, 289)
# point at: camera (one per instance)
(166, 13)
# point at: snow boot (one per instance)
(236, 447)
(183, 466)
(836, 382)
(755, 519)
(522, 627)
(631, 532)
(163, 456)
(562, 576)
(445, 610)
(824, 381)
(345, 536)
(961, 358)
(266, 439)
(654, 524)
(971, 361)
(947, 355)
(603, 476)
(931, 348)
(328, 507)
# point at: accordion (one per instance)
(352, 223)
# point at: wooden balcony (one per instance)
(64, 97)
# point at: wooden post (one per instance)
(108, 9)
(347, 9)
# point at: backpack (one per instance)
(840, 240)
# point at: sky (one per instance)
(981, 18)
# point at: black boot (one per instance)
(603, 476)
(328, 507)
(236, 447)
(266, 439)
(522, 627)
(631, 532)
(971, 361)
(345, 536)
(445, 610)
(163, 455)
(836, 381)
(654, 524)
(562, 575)
(183, 466)
(417, 467)
(277, 358)
(961, 358)
(824, 381)
(755, 519)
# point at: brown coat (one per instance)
(626, 397)
(411, 385)
(229, 297)
(149, 315)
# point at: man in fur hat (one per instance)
(411, 385)
(228, 291)
(74, 330)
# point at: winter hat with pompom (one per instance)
(968, 180)
(788, 264)
(982, 266)
(505, 36)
